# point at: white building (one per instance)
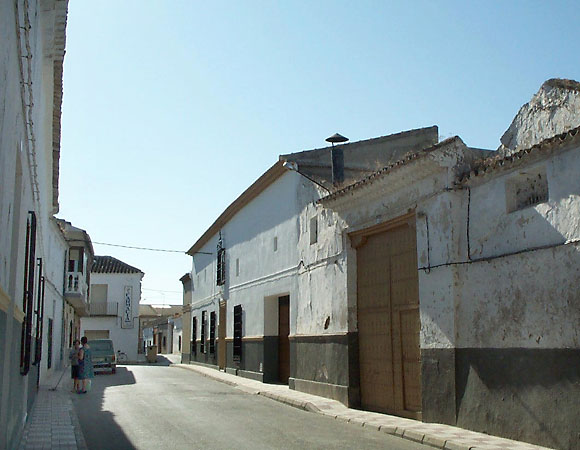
(455, 278)
(115, 294)
(32, 34)
(242, 296)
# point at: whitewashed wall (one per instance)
(264, 273)
(526, 300)
(410, 188)
(54, 304)
(124, 339)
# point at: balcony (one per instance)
(104, 308)
(75, 291)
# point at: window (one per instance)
(526, 189)
(202, 334)
(237, 267)
(99, 293)
(313, 230)
(39, 314)
(194, 336)
(212, 332)
(238, 333)
(276, 243)
(179, 344)
(221, 266)
(75, 259)
(49, 338)
(28, 297)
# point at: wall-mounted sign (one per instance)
(127, 320)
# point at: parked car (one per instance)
(103, 354)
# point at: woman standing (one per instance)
(85, 364)
(73, 357)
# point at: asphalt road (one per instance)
(162, 407)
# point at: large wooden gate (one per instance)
(388, 318)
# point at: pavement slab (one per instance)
(52, 422)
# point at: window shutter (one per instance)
(194, 336)
(28, 300)
(202, 344)
(238, 333)
(212, 332)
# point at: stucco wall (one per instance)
(262, 263)
(249, 239)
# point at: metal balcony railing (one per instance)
(104, 308)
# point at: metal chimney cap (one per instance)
(336, 138)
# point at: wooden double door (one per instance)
(388, 319)
(283, 339)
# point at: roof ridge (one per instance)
(496, 161)
(110, 264)
(408, 157)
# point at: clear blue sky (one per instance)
(171, 109)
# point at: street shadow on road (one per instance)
(162, 361)
(94, 419)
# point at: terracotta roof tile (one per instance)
(108, 264)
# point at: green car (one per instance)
(103, 354)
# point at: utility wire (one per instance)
(161, 290)
(140, 248)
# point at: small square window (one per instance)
(526, 189)
(313, 230)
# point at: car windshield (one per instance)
(101, 345)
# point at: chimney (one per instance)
(337, 158)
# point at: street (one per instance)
(164, 407)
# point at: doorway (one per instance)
(283, 339)
(222, 336)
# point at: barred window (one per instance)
(28, 300)
(202, 334)
(212, 332)
(194, 336)
(221, 266)
(238, 333)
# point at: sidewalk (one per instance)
(53, 423)
(429, 434)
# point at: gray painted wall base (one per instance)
(232, 370)
(197, 363)
(438, 385)
(252, 375)
(333, 391)
(524, 394)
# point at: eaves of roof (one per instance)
(498, 162)
(267, 178)
(61, 11)
(382, 172)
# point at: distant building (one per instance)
(161, 326)
(115, 295)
